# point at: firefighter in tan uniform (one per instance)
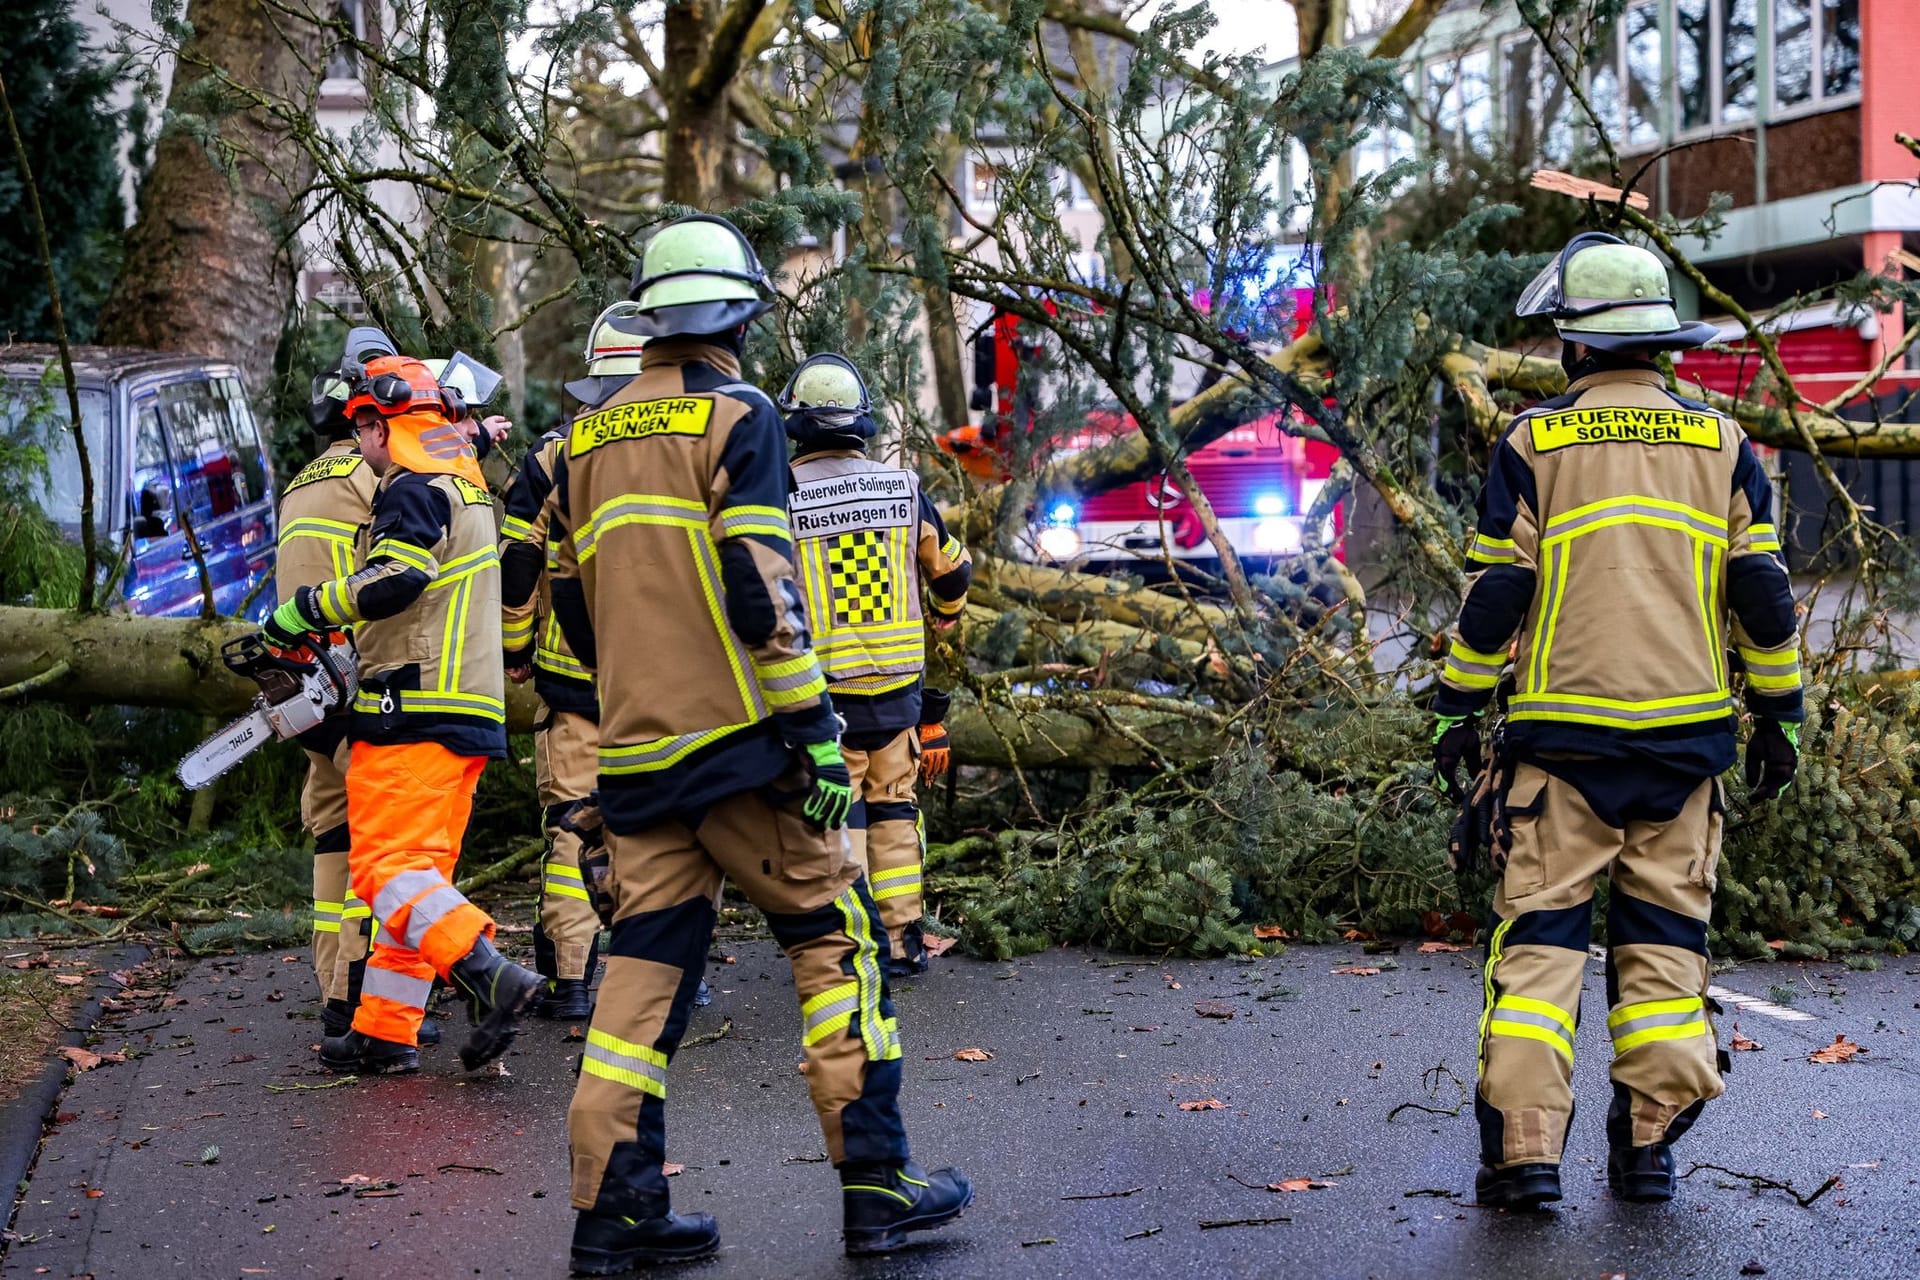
(719, 756)
(428, 715)
(566, 736)
(322, 514)
(867, 544)
(1625, 536)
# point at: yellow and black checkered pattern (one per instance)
(862, 578)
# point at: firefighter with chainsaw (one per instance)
(867, 544)
(566, 734)
(719, 756)
(1626, 538)
(427, 716)
(322, 514)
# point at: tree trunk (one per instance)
(698, 124)
(208, 265)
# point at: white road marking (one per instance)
(1753, 1004)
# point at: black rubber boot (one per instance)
(882, 1203)
(429, 1032)
(498, 993)
(357, 1053)
(565, 1000)
(606, 1244)
(1520, 1186)
(1643, 1175)
(336, 1019)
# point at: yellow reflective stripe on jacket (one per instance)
(1706, 591)
(564, 881)
(622, 1061)
(1771, 671)
(637, 508)
(828, 1012)
(326, 916)
(1471, 669)
(336, 603)
(515, 529)
(1763, 537)
(516, 632)
(878, 1034)
(873, 685)
(560, 664)
(700, 543)
(1621, 714)
(1634, 508)
(952, 547)
(661, 753)
(790, 681)
(407, 554)
(895, 882)
(435, 701)
(1524, 1018)
(1633, 1025)
(1493, 550)
(1495, 951)
(744, 519)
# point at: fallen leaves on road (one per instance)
(1204, 1104)
(68, 979)
(1358, 970)
(973, 1055)
(94, 1193)
(87, 1059)
(1355, 935)
(1299, 1184)
(1436, 948)
(41, 961)
(364, 1186)
(1818, 1114)
(940, 946)
(1741, 1044)
(1268, 931)
(1841, 1050)
(1213, 1009)
(672, 1170)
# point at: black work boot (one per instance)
(357, 1053)
(336, 1019)
(565, 1000)
(1643, 1175)
(429, 1032)
(884, 1202)
(498, 992)
(912, 960)
(606, 1244)
(1520, 1186)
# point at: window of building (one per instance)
(1459, 100)
(343, 60)
(1737, 28)
(1519, 114)
(1640, 74)
(1714, 78)
(982, 185)
(1816, 51)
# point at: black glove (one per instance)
(1773, 755)
(1456, 741)
(582, 819)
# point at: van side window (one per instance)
(152, 496)
(219, 449)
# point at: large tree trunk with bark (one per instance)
(209, 267)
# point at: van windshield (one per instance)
(38, 463)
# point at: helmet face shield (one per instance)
(1547, 295)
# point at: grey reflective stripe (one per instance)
(395, 893)
(397, 987)
(798, 680)
(1501, 1013)
(1699, 523)
(1772, 664)
(742, 391)
(427, 912)
(710, 572)
(321, 914)
(627, 1062)
(827, 1012)
(1475, 668)
(1681, 1018)
(1549, 703)
(386, 939)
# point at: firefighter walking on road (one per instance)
(566, 736)
(428, 714)
(719, 756)
(868, 543)
(322, 514)
(1625, 535)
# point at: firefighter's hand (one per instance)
(1773, 756)
(496, 425)
(288, 627)
(943, 622)
(1456, 741)
(520, 674)
(936, 751)
(830, 799)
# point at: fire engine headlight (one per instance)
(1062, 542)
(1276, 536)
(1270, 504)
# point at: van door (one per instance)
(224, 488)
(161, 578)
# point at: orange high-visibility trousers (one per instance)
(407, 810)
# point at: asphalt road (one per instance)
(214, 1152)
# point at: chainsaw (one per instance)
(299, 688)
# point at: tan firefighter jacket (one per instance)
(672, 575)
(1626, 536)
(868, 543)
(529, 629)
(322, 515)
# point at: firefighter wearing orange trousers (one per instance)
(429, 713)
(672, 578)
(323, 512)
(1625, 535)
(868, 545)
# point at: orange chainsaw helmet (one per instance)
(421, 417)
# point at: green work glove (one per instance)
(1456, 741)
(288, 627)
(831, 797)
